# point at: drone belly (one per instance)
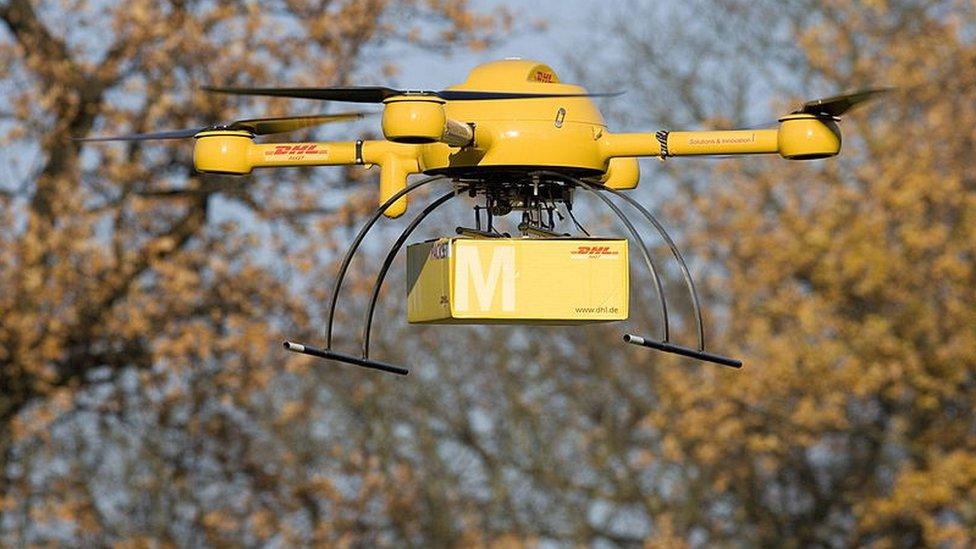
(517, 144)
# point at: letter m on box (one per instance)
(472, 278)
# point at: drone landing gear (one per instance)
(665, 344)
(538, 208)
(364, 361)
(348, 359)
(683, 351)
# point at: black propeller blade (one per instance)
(256, 126)
(828, 107)
(358, 94)
(838, 105)
(173, 134)
(268, 126)
(378, 94)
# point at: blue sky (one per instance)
(565, 29)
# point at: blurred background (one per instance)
(145, 400)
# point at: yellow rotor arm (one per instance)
(235, 152)
(798, 137)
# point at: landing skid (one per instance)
(537, 194)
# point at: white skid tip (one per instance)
(297, 347)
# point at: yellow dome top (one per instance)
(508, 73)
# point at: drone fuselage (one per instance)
(516, 139)
(470, 139)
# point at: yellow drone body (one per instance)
(517, 139)
(561, 130)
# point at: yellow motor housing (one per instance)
(622, 173)
(223, 151)
(414, 120)
(807, 137)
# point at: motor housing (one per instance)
(223, 151)
(808, 137)
(414, 120)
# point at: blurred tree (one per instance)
(137, 299)
(846, 285)
(146, 402)
(849, 297)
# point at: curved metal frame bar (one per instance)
(689, 282)
(354, 247)
(594, 189)
(664, 345)
(685, 272)
(388, 262)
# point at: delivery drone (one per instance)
(516, 140)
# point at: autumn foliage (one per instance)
(144, 397)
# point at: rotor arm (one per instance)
(271, 155)
(396, 161)
(235, 152)
(622, 145)
(719, 142)
(689, 143)
(799, 136)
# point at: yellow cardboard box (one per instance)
(517, 281)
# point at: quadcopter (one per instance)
(517, 140)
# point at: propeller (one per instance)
(838, 105)
(378, 94)
(828, 107)
(255, 126)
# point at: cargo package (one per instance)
(517, 281)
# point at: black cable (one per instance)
(569, 210)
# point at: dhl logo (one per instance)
(544, 77)
(310, 148)
(594, 251)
